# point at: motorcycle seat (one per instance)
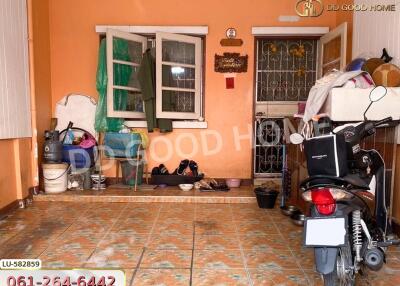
(325, 181)
(356, 181)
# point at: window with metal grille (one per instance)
(268, 147)
(286, 69)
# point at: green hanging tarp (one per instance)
(122, 74)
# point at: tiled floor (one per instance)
(171, 243)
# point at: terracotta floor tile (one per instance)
(167, 277)
(314, 278)
(138, 226)
(6, 235)
(123, 241)
(76, 241)
(106, 216)
(216, 242)
(181, 216)
(89, 227)
(177, 210)
(263, 242)
(270, 260)
(21, 253)
(174, 226)
(279, 277)
(170, 241)
(166, 259)
(114, 207)
(213, 227)
(223, 277)
(221, 217)
(65, 259)
(385, 277)
(147, 216)
(114, 258)
(31, 240)
(211, 206)
(393, 260)
(251, 216)
(305, 258)
(218, 259)
(180, 207)
(293, 235)
(129, 276)
(13, 227)
(245, 228)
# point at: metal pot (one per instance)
(298, 218)
(288, 210)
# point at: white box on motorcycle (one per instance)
(326, 155)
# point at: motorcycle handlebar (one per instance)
(383, 121)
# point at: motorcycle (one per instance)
(348, 226)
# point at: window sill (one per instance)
(175, 124)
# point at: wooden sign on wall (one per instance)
(230, 63)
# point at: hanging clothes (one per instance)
(122, 74)
(147, 80)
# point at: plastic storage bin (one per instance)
(77, 156)
(129, 168)
(121, 145)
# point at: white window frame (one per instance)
(110, 34)
(152, 30)
(339, 31)
(197, 66)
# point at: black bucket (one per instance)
(266, 198)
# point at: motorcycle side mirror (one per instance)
(375, 95)
(296, 138)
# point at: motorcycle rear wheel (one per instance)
(342, 275)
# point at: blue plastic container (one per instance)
(77, 156)
(121, 145)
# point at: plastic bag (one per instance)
(122, 74)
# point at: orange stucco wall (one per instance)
(41, 63)
(8, 183)
(74, 50)
(15, 170)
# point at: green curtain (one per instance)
(122, 74)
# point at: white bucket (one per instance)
(55, 178)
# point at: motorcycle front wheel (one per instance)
(343, 275)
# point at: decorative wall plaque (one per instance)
(230, 63)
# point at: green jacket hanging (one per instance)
(146, 77)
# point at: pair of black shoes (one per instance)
(184, 164)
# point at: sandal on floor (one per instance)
(182, 167)
(163, 169)
(194, 168)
